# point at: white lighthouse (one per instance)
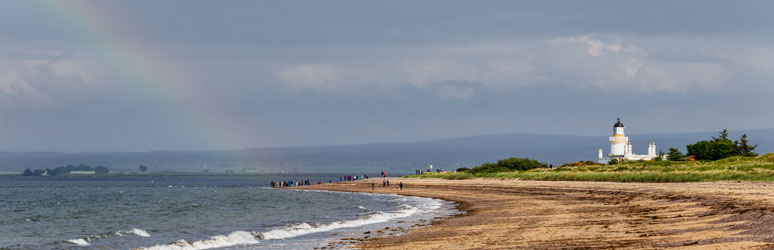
(621, 147)
(619, 143)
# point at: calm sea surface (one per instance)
(194, 212)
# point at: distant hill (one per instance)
(371, 158)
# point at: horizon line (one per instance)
(338, 145)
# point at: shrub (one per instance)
(510, 164)
(712, 150)
(462, 169)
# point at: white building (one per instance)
(621, 147)
(83, 172)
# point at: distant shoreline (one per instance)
(564, 214)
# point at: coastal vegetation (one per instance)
(748, 168)
(510, 164)
(716, 159)
(721, 147)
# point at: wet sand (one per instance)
(567, 215)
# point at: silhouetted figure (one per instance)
(401, 185)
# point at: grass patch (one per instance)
(758, 168)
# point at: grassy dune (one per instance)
(759, 168)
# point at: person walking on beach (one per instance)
(401, 185)
(372, 186)
(384, 182)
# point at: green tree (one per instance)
(613, 161)
(743, 147)
(712, 150)
(674, 154)
(723, 136)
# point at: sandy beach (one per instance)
(566, 215)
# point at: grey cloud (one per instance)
(616, 65)
(31, 82)
(298, 23)
(334, 72)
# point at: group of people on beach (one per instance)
(280, 184)
(353, 177)
(385, 181)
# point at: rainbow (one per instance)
(115, 37)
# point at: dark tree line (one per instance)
(718, 148)
(65, 170)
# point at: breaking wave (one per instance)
(86, 241)
(238, 238)
(305, 228)
(246, 238)
(80, 242)
(233, 239)
(140, 232)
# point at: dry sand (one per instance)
(514, 214)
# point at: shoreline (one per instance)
(549, 215)
(394, 226)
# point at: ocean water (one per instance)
(196, 212)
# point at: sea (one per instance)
(199, 212)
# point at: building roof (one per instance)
(618, 124)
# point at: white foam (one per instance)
(304, 228)
(79, 241)
(140, 232)
(233, 239)
(247, 238)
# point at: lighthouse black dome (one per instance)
(618, 124)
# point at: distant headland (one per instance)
(69, 169)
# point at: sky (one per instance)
(140, 75)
